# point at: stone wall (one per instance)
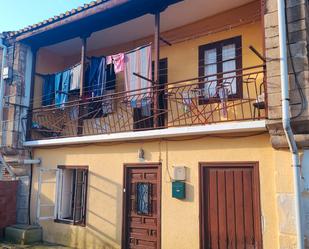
(297, 19)
(14, 122)
(297, 16)
(13, 125)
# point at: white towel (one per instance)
(75, 82)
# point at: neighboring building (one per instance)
(184, 147)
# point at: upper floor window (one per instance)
(220, 65)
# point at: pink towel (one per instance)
(109, 60)
(117, 60)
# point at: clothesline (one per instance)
(137, 67)
(89, 57)
(138, 48)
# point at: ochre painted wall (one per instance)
(183, 54)
(182, 65)
(180, 219)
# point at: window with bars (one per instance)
(220, 65)
(71, 195)
(143, 201)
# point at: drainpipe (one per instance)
(3, 62)
(286, 121)
(25, 161)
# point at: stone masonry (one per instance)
(13, 125)
(298, 38)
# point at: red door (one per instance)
(141, 228)
(230, 208)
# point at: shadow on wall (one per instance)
(103, 215)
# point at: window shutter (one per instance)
(80, 195)
(66, 194)
(47, 210)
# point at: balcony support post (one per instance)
(156, 67)
(82, 83)
(83, 65)
(31, 99)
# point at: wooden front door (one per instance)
(230, 207)
(141, 216)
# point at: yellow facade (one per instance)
(180, 218)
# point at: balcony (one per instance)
(197, 101)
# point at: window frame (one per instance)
(83, 220)
(218, 45)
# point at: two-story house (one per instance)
(162, 124)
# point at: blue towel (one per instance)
(48, 93)
(62, 84)
(95, 84)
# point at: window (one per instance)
(71, 195)
(221, 64)
(143, 194)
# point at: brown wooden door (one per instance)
(230, 208)
(141, 228)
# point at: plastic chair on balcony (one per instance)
(259, 103)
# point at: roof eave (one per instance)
(76, 25)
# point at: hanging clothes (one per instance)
(118, 60)
(48, 93)
(96, 77)
(58, 88)
(101, 81)
(223, 93)
(110, 77)
(75, 82)
(187, 101)
(62, 84)
(139, 62)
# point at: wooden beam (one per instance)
(82, 83)
(156, 66)
(29, 114)
(83, 65)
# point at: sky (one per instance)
(17, 14)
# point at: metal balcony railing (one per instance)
(231, 96)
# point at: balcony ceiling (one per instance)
(175, 16)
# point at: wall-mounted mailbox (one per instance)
(179, 190)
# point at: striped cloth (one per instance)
(139, 61)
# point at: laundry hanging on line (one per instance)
(100, 77)
(139, 61)
(75, 80)
(118, 60)
(62, 84)
(48, 94)
(56, 86)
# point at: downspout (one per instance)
(3, 62)
(286, 121)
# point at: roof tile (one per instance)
(56, 18)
